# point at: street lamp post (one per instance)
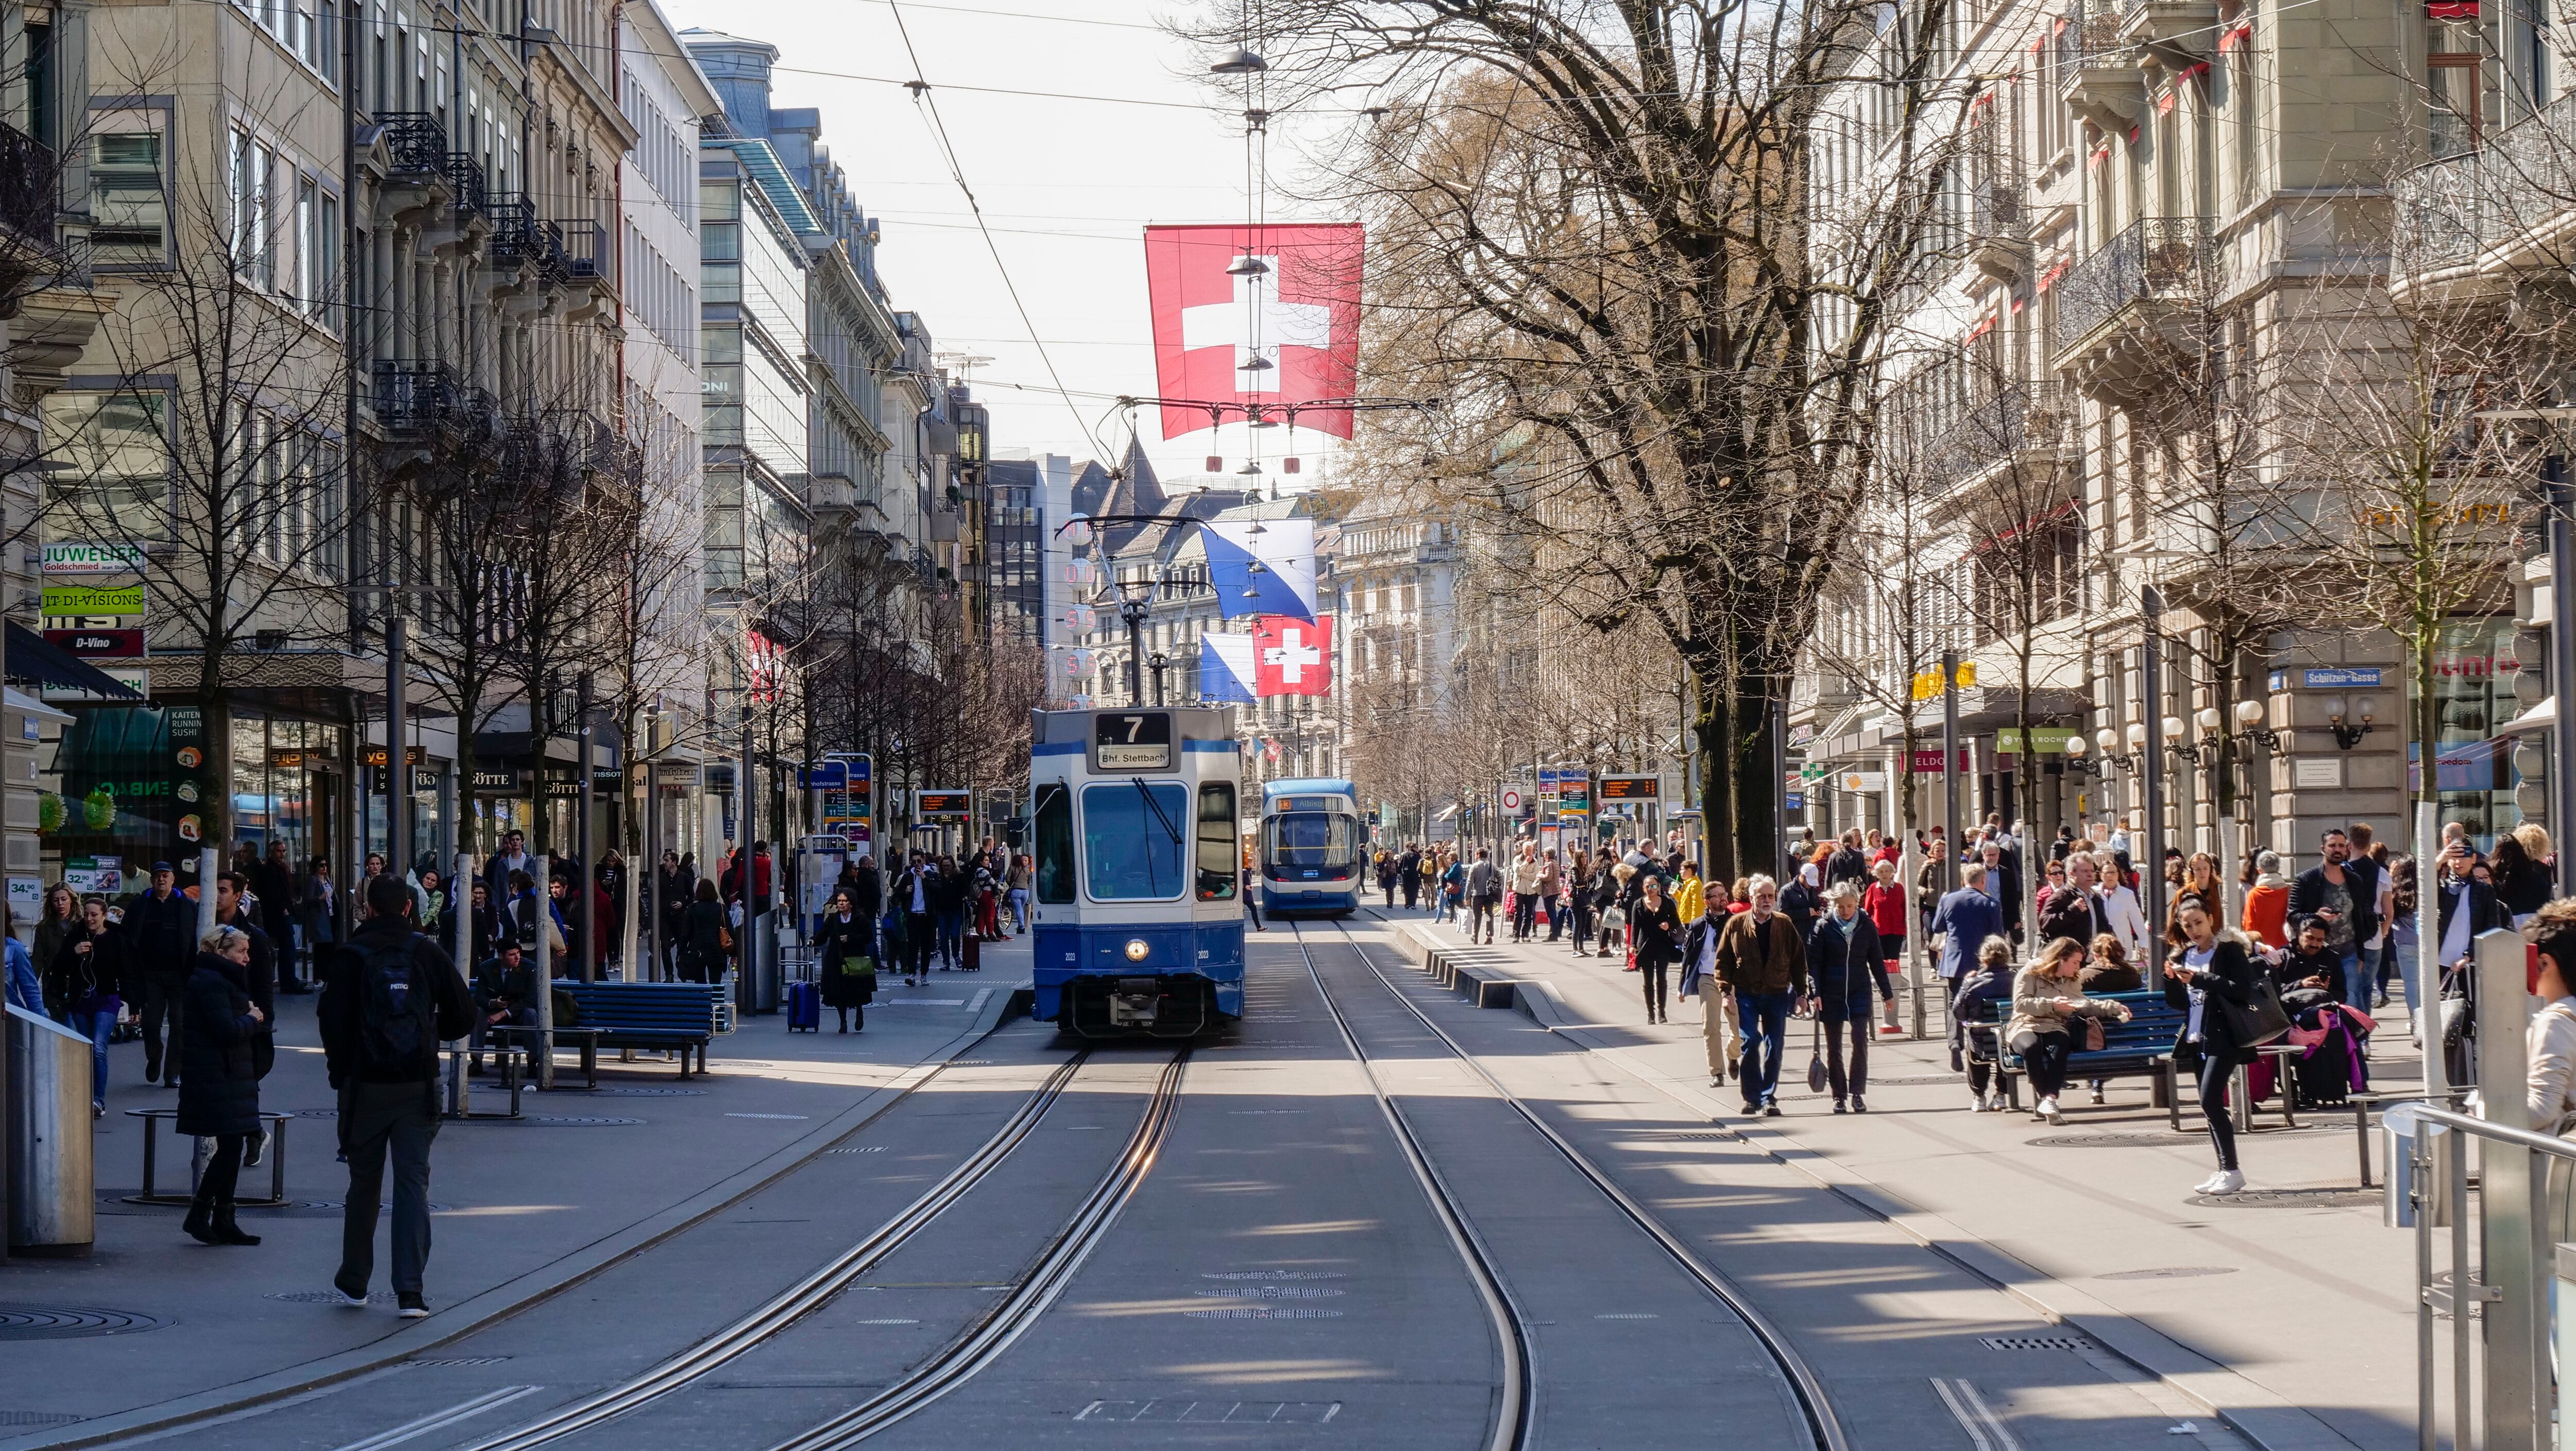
(1160, 662)
(2151, 862)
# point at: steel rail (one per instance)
(1037, 1288)
(1516, 1417)
(801, 1299)
(1804, 1385)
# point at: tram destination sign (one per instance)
(1132, 741)
(1632, 788)
(939, 805)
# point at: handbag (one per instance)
(2259, 1022)
(1816, 1055)
(1613, 918)
(2095, 1040)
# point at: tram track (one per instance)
(1805, 1388)
(1032, 1291)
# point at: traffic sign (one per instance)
(1511, 798)
(826, 776)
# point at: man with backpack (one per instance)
(389, 998)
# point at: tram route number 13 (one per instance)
(1137, 742)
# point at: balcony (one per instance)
(2128, 315)
(2098, 72)
(423, 400)
(1999, 224)
(2488, 215)
(2179, 34)
(27, 178)
(577, 248)
(417, 146)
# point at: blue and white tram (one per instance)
(1314, 847)
(1138, 878)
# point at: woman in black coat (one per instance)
(1848, 966)
(1656, 929)
(2212, 980)
(219, 1078)
(702, 953)
(849, 960)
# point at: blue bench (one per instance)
(682, 1015)
(2137, 1048)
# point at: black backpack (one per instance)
(397, 1007)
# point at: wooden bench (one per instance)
(682, 1015)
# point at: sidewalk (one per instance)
(2298, 1292)
(520, 1208)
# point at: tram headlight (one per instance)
(1136, 949)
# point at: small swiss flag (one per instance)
(1292, 657)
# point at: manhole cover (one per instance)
(1267, 1292)
(649, 1092)
(1264, 1312)
(460, 1360)
(886, 1322)
(2035, 1342)
(326, 1297)
(1627, 1317)
(64, 1322)
(1274, 1275)
(2170, 1272)
(2289, 1199)
(867, 1149)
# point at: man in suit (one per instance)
(1964, 920)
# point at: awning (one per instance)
(2541, 717)
(32, 708)
(31, 659)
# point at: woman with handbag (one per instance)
(1659, 942)
(708, 940)
(2049, 1007)
(849, 961)
(2549, 1094)
(2211, 977)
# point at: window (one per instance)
(118, 448)
(127, 200)
(1054, 815)
(1131, 840)
(308, 246)
(2453, 53)
(1218, 847)
(326, 242)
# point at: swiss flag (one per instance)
(1248, 317)
(1292, 657)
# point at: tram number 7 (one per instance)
(1135, 723)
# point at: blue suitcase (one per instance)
(804, 1008)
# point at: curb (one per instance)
(533, 1288)
(2259, 1415)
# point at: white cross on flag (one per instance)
(1255, 316)
(1292, 657)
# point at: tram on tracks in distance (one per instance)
(1314, 847)
(1137, 881)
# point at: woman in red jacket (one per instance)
(1884, 901)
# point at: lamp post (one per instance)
(2151, 868)
(1160, 662)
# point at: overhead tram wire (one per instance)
(922, 98)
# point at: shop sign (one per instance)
(287, 760)
(1864, 783)
(135, 678)
(102, 876)
(2045, 740)
(375, 756)
(497, 780)
(97, 644)
(82, 599)
(1928, 763)
(2341, 677)
(1796, 802)
(75, 558)
(424, 780)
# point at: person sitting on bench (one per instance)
(505, 995)
(2047, 1004)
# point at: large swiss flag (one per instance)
(1292, 657)
(1273, 337)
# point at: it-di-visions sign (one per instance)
(72, 557)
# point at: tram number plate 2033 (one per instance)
(1141, 741)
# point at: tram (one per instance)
(1314, 847)
(1139, 913)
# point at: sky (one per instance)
(1067, 186)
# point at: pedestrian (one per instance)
(1846, 961)
(85, 988)
(2522, 885)
(504, 996)
(707, 937)
(390, 997)
(161, 934)
(1659, 941)
(26, 991)
(2343, 892)
(674, 890)
(1524, 884)
(1691, 897)
(432, 897)
(2071, 910)
(1251, 889)
(1846, 863)
(1484, 891)
(2047, 1000)
(1964, 920)
(2003, 884)
(2120, 912)
(1719, 1020)
(1017, 892)
(2267, 903)
(2211, 977)
(1884, 901)
(849, 964)
(1986, 981)
(1802, 899)
(1453, 887)
(219, 1078)
(1551, 893)
(318, 907)
(1408, 874)
(1385, 867)
(272, 887)
(1761, 960)
(952, 891)
(2549, 1085)
(61, 918)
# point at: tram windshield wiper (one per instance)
(1153, 879)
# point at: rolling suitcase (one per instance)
(973, 961)
(804, 1007)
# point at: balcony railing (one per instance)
(2515, 196)
(2091, 37)
(415, 141)
(27, 179)
(578, 248)
(2155, 259)
(414, 396)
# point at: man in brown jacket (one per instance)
(1761, 960)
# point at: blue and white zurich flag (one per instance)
(1285, 582)
(1226, 670)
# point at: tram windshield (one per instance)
(1300, 839)
(1132, 835)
